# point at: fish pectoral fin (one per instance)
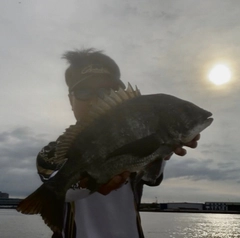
(140, 148)
(152, 171)
(46, 203)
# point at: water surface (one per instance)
(155, 225)
(184, 225)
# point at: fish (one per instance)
(124, 131)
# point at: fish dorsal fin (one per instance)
(130, 91)
(104, 104)
(113, 99)
(66, 140)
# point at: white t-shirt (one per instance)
(110, 216)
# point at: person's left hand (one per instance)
(181, 151)
(114, 183)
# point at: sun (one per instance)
(220, 74)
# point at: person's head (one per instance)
(89, 73)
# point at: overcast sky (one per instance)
(160, 45)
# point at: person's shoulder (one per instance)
(49, 150)
(47, 161)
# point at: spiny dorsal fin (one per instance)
(138, 93)
(102, 106)
(67, 139)
(113, 99)
(131, 93)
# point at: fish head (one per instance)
(182, 119)
(195, 125)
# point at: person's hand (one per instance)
(115, 183)
(181, 151)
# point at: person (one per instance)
(112, 211)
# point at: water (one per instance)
(16, 225)
(155, 225)
(188, 225)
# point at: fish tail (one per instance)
(46, 203)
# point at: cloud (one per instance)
(18, 150)
(203, 169)
(20, 143)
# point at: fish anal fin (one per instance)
(46, 203)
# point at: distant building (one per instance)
(216, 206)
(207, 207)
(150, 207)
(185, 206)
(9, 202)
(4, 195)
(233, 206)
(222, 206)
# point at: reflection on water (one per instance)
(16, 225)
(155, 225)
(188, 225)
(215, 225)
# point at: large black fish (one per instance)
(125, 131)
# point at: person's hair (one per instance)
(79, 59)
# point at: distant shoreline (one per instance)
(192, 211)
(170, 211)
(230, 208)
(8, 207)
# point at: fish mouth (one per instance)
(198, 128)
(209, 121)
(205, 120)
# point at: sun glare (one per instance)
(220, 74)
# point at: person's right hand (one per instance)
(180, 151)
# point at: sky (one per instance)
(160, 46)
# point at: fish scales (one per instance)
(127, 132)
(114, 130)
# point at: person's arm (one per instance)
(48, 166)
